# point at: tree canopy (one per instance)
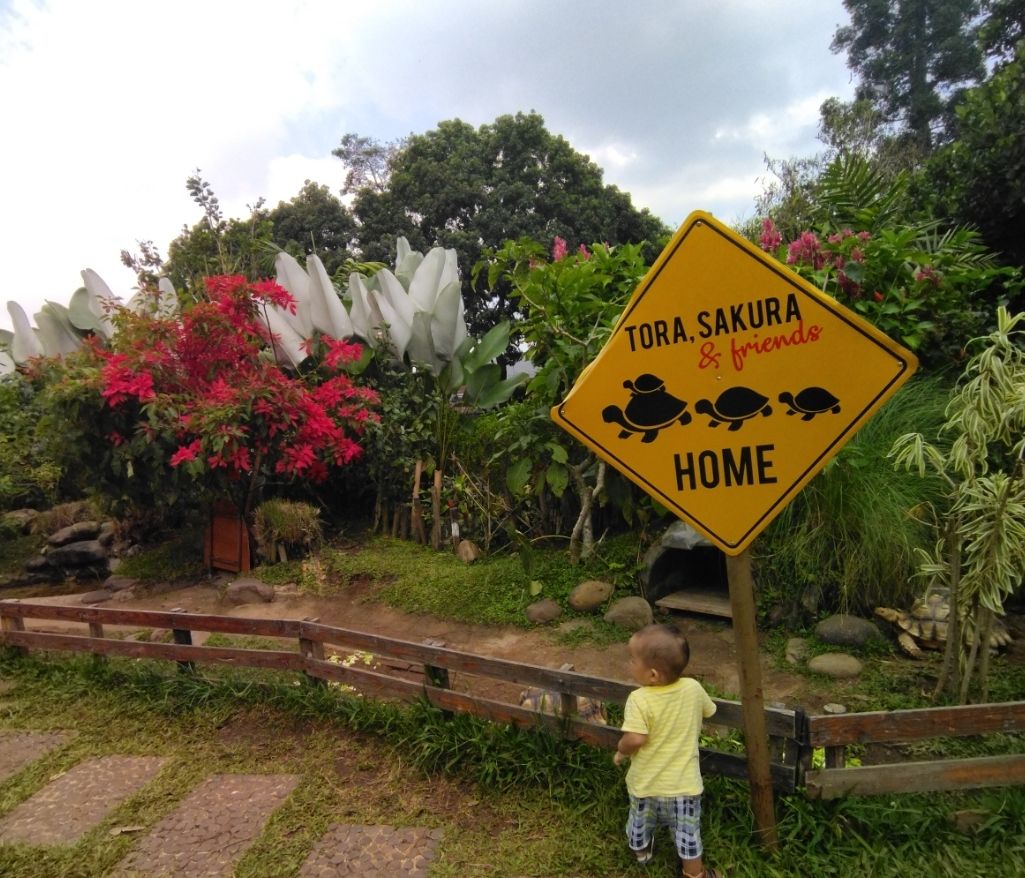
(473, 189)
(913, 57)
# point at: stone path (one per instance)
(68, 807)
(18, 749)
(209, 831)
(348, 851)
(212, 827)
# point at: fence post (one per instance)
(12, 624)
(311, 650)
(96, 630)
(437, 676)
(183, 637)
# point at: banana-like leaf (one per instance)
(421, 346)
(451, 377)
(391, 288)
(167, 301)
(426, 283)
(6, 337)
(498, 393)
(359, 308)
(26, 343)
(489, 347)
(445, 320)
(292, 277)
(55, 331)
(81, 314)
(288, 343)
(329, 314)
(101, 301)
(392, 326)
(480, 379)
(6, 363)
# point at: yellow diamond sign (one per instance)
(728, 383)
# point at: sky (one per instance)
(108, 106)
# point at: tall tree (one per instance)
(913, 57)
(979, 178)
(474, 189)
(1003, 29)
(314, 221)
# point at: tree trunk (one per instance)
(949, 679)
(581, 540)
(436, 511)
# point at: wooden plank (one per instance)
(152, 619)
(911, 725)
(780, 721)
(917, 777)
(253, 658)
(709, 600)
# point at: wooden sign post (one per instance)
(727, 384)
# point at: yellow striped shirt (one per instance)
(671, 716)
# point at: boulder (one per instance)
(108, 531)
(19, 519)
(38, 564)
(797, 650)
(249, 591)
(544, 611)
(837, 665)
(631, 613)
(78, 532)
(87, 553)
(590, 595)
(844, 630)
(96, 597)
(120, 583)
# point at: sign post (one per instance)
(727, 384)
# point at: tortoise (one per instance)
(810, 402)
(734, 406)
(651, 408)
(925, 624)
(547, 701)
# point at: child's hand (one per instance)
(618, 758)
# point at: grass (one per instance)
(511, 803)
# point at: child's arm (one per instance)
(629, 744)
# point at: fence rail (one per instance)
(835, 733)
(432, 681)
(793, 734)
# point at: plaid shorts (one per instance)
(682, 814)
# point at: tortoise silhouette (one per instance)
(734, 406)
(810, 402)
(651, 408)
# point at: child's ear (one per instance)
(654, 676)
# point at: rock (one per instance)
(797, 650)
(113, 564)
(96, 597)
(126, 594)
(837, 665)
(843, 630)
(834, 708)
(19, 519)
(544, 611)
(250, 591)
(631, 613)
(85, 553)
(107, 533)
(590, 595)
(120, 583)
(75, 533)
(468, 551)
(37, 564)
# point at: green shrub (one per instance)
(285, 527)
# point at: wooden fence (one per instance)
(408, 671)
(435, 668)
(835, 733)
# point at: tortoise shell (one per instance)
(735, 404)
(545, 701)
(811, 400)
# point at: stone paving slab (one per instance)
(372, 852)
(68, 807)
(18, 749)
(212, 827)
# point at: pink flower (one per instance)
(771, 238)
(878, 296)
(584, 254)
(559, 249)
(806, 249)
(186, 452)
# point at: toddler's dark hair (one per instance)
(663, 647)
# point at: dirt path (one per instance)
(713, 657)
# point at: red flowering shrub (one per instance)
(205, 388)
